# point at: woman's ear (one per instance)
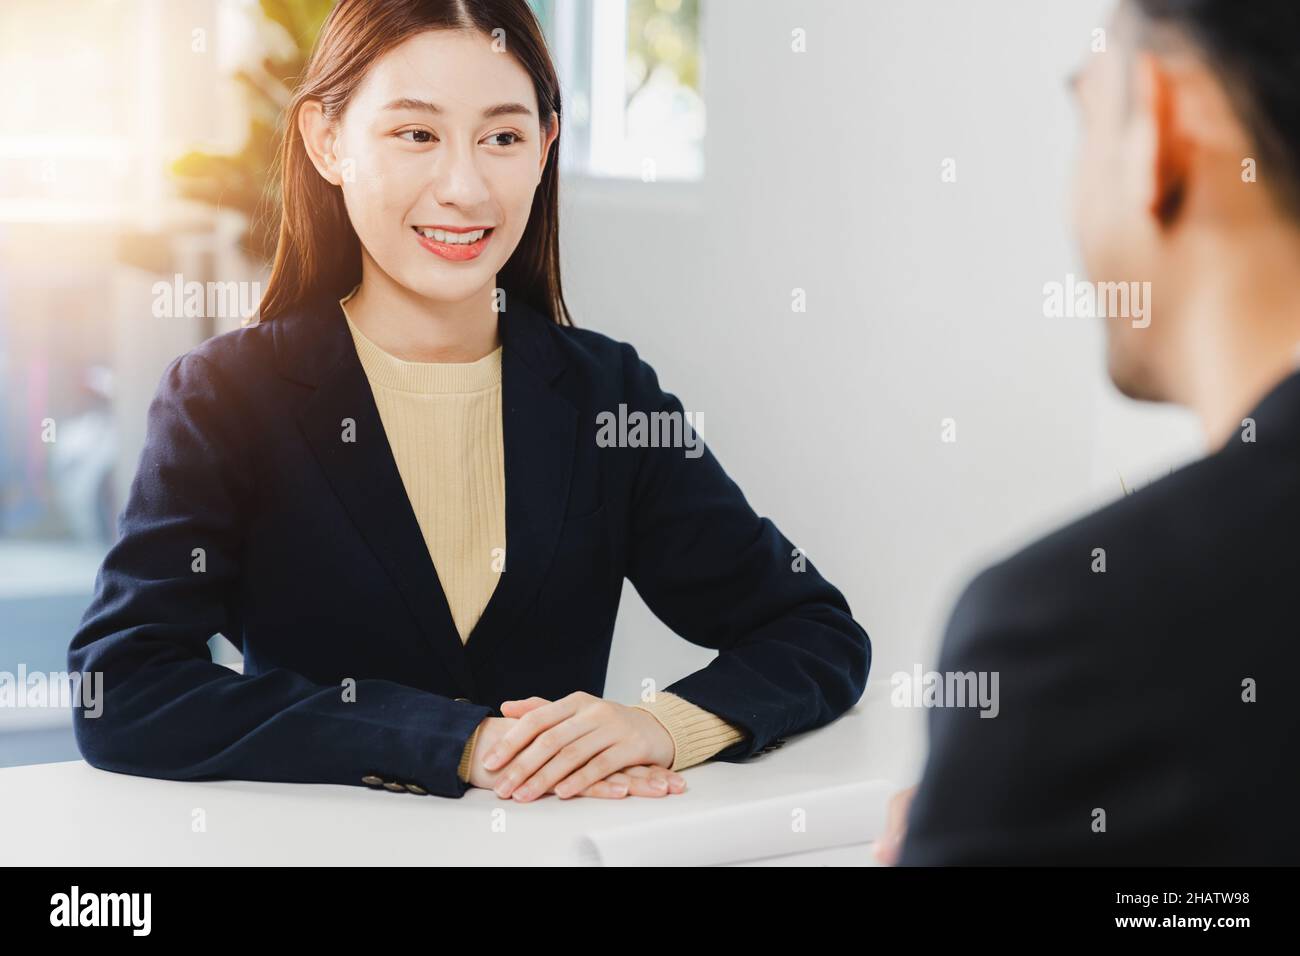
(320, 139)
(552, 133)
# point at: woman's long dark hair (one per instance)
(318, 254)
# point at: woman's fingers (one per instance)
(517, 708)
(614, 787)
(641, 781)
(674, 782)
(615, 756)
(561, 751)
(560, 738)
(636, 782)
(527, 728)
(570, 745)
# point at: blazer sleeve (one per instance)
(791, 657)
(168, 710)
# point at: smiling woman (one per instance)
(394, 144)
(417, 173)
(336, 488)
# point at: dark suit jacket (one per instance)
(1123, 691)
(317, 570)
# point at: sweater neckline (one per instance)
(429, 378)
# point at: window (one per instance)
(631, 76)
(98, 96)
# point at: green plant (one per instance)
(244, 180)
(663, 33)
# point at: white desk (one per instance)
(72, 814)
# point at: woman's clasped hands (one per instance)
(579, 745)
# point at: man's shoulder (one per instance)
(1192, 538)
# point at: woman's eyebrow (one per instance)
(501, 109)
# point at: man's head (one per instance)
(1191, 137)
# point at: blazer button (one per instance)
(417, 789)
(370, 780)
(463, 699)
(394, 786)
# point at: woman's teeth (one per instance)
(451, 238)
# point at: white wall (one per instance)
(925, 300)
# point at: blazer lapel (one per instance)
(539, 428)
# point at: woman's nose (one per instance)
(458, 181)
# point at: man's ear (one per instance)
(1171, 149)
(552, 133)
(320, 139)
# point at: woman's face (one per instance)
(438, 155)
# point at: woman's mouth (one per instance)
(454, 243)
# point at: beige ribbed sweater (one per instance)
(443, 423)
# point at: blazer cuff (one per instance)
(697, 734)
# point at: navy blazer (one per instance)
(313, 564)
(1124, 690)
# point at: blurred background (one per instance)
(826, 223)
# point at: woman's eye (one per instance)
(514, 138)
(416, 135)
